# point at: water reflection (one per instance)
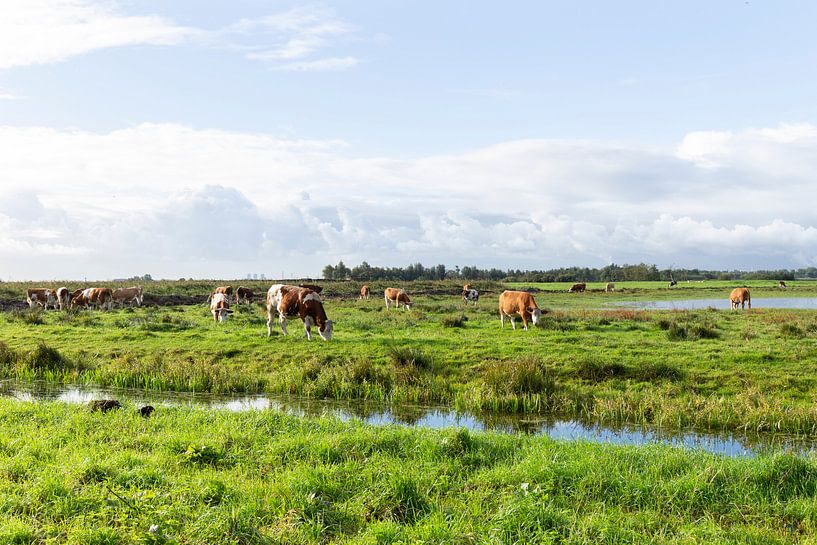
(434, 417)
(721, 303)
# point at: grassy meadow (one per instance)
(714, 369)
(68, 475)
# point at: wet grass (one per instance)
(69, 475)
(708, 368)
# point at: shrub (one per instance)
(595, 370)
(657, 371)
(524, 375)
(45, 358)
(791, 330)
(677, 332)
(408, 356)
(454, 320)
(31, 316)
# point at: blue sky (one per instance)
(514, 134)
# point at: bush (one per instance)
(792, 330)
(595, 370)
(454, 320)
(45, 358)
(407, 356)
(524, 375)
(31, 316)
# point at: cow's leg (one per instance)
(502, 319)
(283, 321)
(269, 322)
(513, 323)
(308, 327)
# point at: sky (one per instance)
(218, 139)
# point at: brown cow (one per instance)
(220, 307)
(364, 292)
(610, 287)
(291, 301)
(101, 298)
(128, 295)
(243, 294)
(518, 302)
(44, 297)
(577, 287)
(226, 290)
(781, 285)
(740, 296)
(397, 296)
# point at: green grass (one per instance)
(68, 475)
(753, 370)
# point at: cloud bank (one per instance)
(176, 201)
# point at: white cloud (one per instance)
(297, 37)
(175, 201)
(45, 31)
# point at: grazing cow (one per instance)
(226, 290)
(672, 283)
(63, 298)
(43, 297)
(397, 296)
(518, 302)
(128, 295)
(313, 287)
(243, 294)
(471, 295)
(781, 285)
(101, 298)
(740, 296)
(577, 287)
(364, 292)
(291, 301)
(466, 288)
(220, 307)
(610, 287)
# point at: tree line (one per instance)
(610, 273)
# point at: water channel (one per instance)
(434, 417)
(721, 303)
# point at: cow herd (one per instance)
(284, 301)
(101, 298)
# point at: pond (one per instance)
(721, 303)
(434, 417)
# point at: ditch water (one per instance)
(721, 303)
(434, 417)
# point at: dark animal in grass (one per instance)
(146, 411)
(104, 405)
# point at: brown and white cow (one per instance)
(578, 287)
(226, 290)
(101, 298)
(364, 292)
(521, 303)
(610, 287)
(220, 307)
(781, 285)
(293, 301)
(397, 296)
(740, 296)
(128, 295)
(243, 294)
(44, 297)
(471, 295)
(63, 298)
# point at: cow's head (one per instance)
(222, 313)
(326, 332)
(535, 315)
